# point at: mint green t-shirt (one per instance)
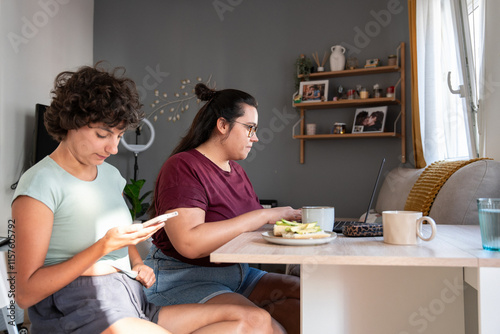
(83, 210)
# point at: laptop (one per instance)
(339, 225)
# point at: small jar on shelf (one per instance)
(363, 93)
(392, 60)
(377, 91)
(339, 128)
(390, 91)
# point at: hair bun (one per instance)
(203, 92)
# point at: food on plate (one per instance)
(295, 230)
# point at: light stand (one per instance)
(136, 149)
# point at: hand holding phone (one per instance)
(159, 219)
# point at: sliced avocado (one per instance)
(287, 222)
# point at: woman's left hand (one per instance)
(285, 212)
(145, 275)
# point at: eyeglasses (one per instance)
(252, 129)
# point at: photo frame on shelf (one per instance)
(314, 91)
(369, 119)
(357, 128)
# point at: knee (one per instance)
(256, 320)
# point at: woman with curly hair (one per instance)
(216, 202)
(78, 270)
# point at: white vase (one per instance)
(337, 58)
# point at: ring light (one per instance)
(140, 148)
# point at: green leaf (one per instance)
(135, 201)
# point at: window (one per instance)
(448, 41)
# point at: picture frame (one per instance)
(314, 91)
(369, 119)
(357, 128)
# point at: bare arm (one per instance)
(33, 228)
(194, 239)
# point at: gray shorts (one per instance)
(90, 304)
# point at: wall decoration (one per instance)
(369, 119)
(314, 91)
(180, 103)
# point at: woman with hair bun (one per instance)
(216, 202)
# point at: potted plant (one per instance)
(304, 66)
(132, 192)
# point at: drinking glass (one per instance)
(489, 222)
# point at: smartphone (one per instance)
(159, 219)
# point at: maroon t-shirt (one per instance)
(191, 180)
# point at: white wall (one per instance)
(39, 39)
(490, 106)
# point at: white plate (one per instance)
(268, 236)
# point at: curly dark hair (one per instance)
(92, 95)
(226, 103)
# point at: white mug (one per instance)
(405, 227)
(323, 215)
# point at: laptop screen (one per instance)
(374, 190)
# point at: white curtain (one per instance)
(443, 115)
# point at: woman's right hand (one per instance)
(123, 236)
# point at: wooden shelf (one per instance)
(349, 73)
(348, 103)
(305, 106)
(348, 135)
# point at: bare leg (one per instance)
(256, 317)
(215, 318)
(229, 327)
(133, 326)
(280, 295)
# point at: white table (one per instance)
(361, 285)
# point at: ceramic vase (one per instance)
(337, 58)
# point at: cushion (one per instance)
(430, 182)
(456, 201)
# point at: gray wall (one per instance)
(252, 46)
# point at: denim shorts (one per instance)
(181, 283)
(90, 304)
